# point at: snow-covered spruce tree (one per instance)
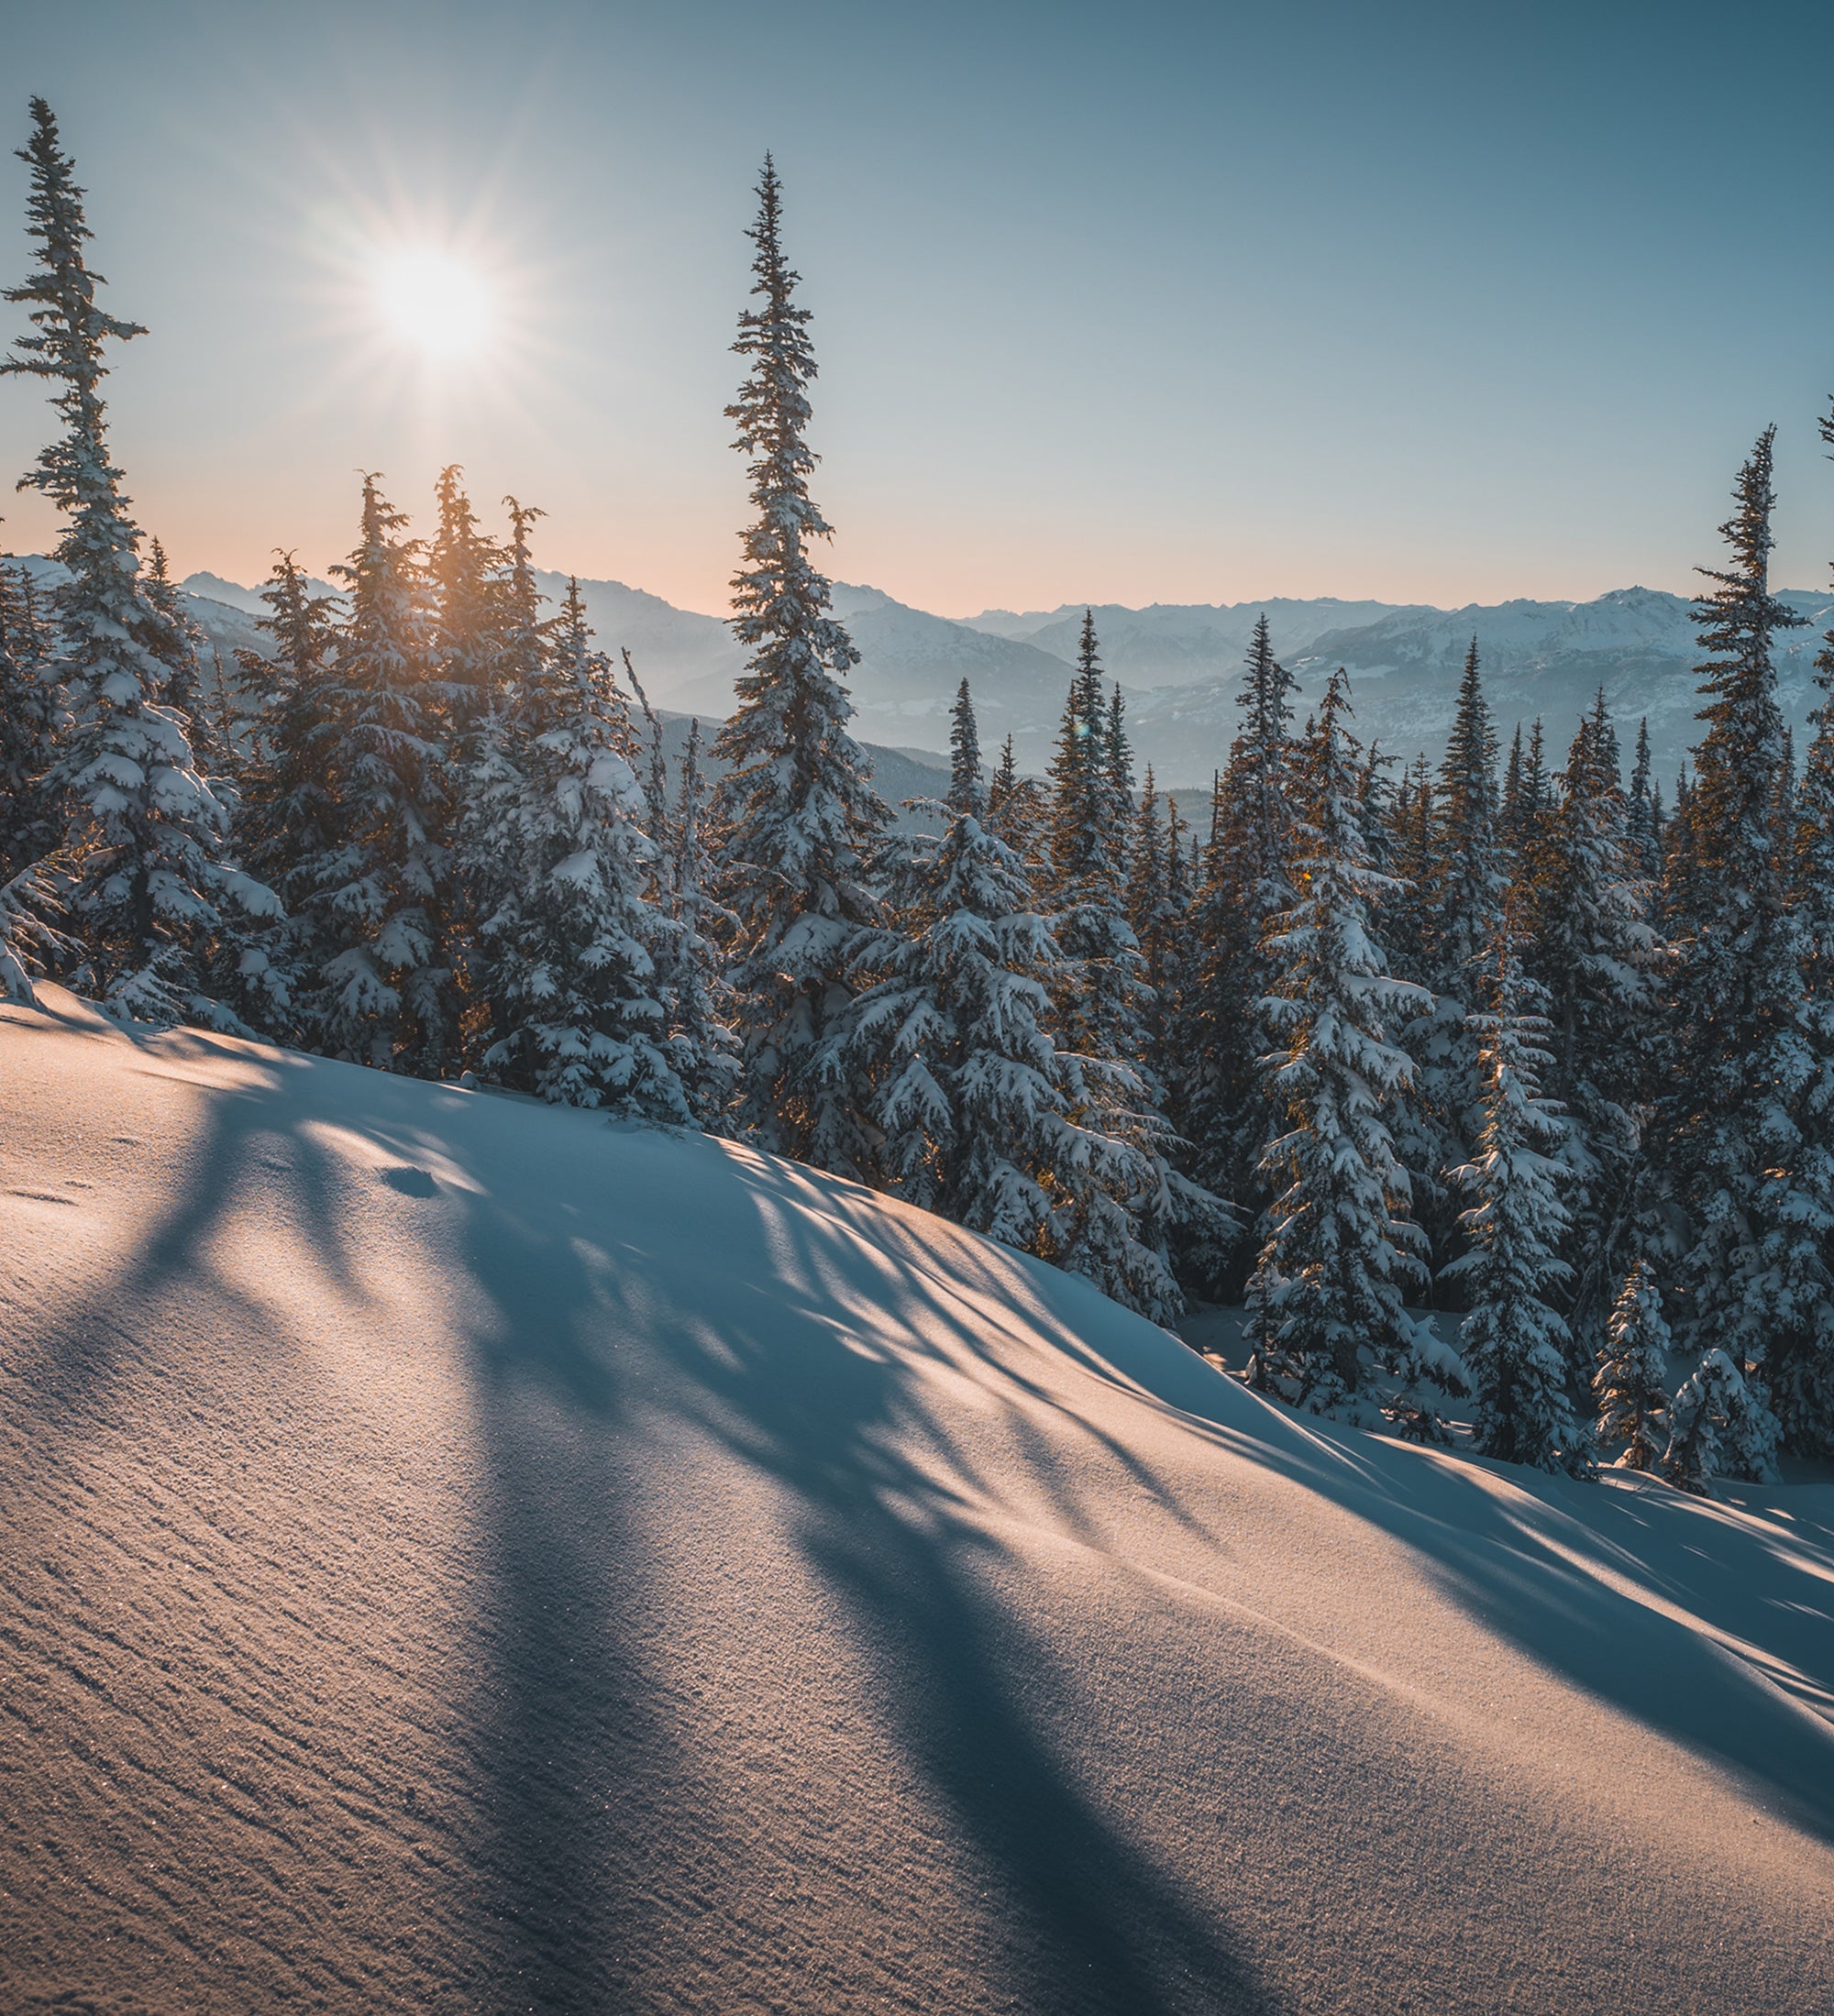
(489, 648)
(1404, 841)
(1755, 1280)
(1642, 817)
(1631, 1382)
(1714, 1421)
(568, 950)
(1801, 1374)
(484, 648)
(1157, 899)
(1513, 1342)
(142, 876)
(1469, 884)
(1181, 856)
(978, 1107)
(383, 992)
(1509, 808)
(1679, 898)
(702, 1044)
(1099, 1007)
(1015, 810)
(1526, 793)
(1338, 1244)
(798, 812)
(689, 968)
(1401, 829)
(464, 578)
(1117, 751)
(515, 649)
(952, 1023)
(1222, 1103)
(199, 696)
(1589, 942)
(650, 760)
(967, 789)
(29, 715)
(175, 645)
(287, 821)
(1145, 890)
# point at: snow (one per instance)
(459, 1555)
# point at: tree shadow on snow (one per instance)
(609, 1817)
(610, 1860)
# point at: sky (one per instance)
(1167, 303)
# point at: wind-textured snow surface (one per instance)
(457, 1556)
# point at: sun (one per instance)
(432, 302)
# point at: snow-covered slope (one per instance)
(457, 1556)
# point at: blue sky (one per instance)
(1166, 302)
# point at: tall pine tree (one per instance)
(1801, 1371)
(1122, 1241)
(1590, 945)
(1755, 1279)
(1514, 1341)
(1468, 885)
(1340, 1244)
(1631, 1382)
(143, 877)
(29, 715)
(967, 789)
(799, 812)
(569, 944)
(703, 1047)
(1015, 808)
(382, 994)
(288, 820)
(1223, 1104)
(464, 577)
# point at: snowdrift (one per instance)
(457, 1556)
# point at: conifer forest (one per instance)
(1531, 1038)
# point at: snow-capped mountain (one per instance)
(1545, 660)
(1171, 644)
(1180, 665)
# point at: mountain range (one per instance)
(1181, 667)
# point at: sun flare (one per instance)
(432, 302)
